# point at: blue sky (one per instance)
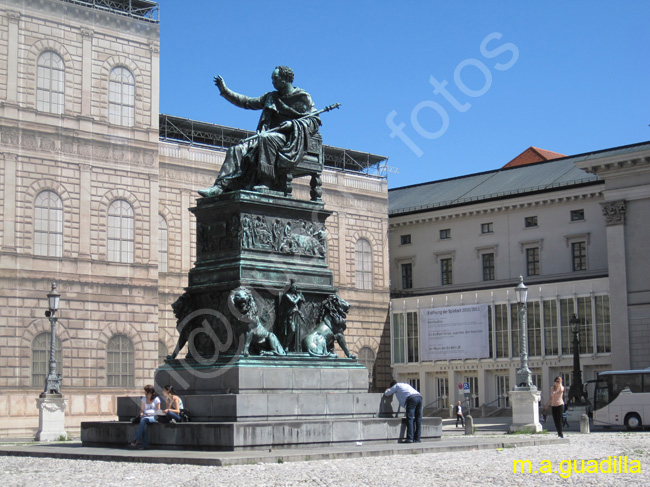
(570, 77)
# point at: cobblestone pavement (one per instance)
(484, 467)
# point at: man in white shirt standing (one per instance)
(411, 401)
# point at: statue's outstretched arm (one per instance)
(242, 101)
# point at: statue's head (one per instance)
(243, 302)
(285, 73)
(337, 308)
(282, 78)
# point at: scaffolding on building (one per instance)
(139, 9)
(192, 132)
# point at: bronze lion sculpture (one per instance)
(330, 328)
(262, 340)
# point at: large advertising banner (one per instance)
(455, 332)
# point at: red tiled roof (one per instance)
(533, 154)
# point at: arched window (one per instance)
(48, 224)
(50, 83)
(121, 97)
(41, 358)
(162, 352)
(120, 362)
(363, 260)
(367, 359)
(121, 221)
(163, 237)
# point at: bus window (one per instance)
(634, 382)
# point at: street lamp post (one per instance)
(50, 403)
(575, 392)
(525, 396)
(524, 375)
(53, 381)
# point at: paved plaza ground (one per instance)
(487, 458)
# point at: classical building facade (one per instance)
(95, 192)
(465, 241)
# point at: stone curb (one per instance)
(212, 458)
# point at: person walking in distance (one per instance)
(459, 415)
(411, 400)
(557, 404)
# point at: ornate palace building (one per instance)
(95, 187)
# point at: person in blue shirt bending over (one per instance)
(411, 401)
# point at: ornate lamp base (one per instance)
(51, 417)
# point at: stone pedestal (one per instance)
(271, 246)
(51, 417)
(525, 410)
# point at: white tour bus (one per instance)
(622, 397)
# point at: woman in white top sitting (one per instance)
(174, 404)
(149, 407)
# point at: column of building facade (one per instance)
(86, 72)
(614, 213)
(154, 202)
(155, 86)
(85, 197)
(9, 223)
(12, 58)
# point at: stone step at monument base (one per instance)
(269, 407)
(295, 372)
(233, 436)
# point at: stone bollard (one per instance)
(584, 424)
(452, 415)
(469, 425)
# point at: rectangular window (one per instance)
(445, 272)
(398, 338)
(486, 228)
(534, 329)
(405, 239)
(488, 267)
(490, 327)
(407, 276)
(584, 315)
(445, 234)
(603, 330)
(532, 261)
(577, 215)
(514, 329)
(566, 313)
(579, 256)
(501, 329)
(530, 221)
(550, 328)
(412, 337)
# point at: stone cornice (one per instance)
(464, 212)
(49, 146)
(616, 164)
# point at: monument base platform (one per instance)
(295, 372)
(272, 407)
(234, 436)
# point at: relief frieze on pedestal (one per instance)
(258, 232)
